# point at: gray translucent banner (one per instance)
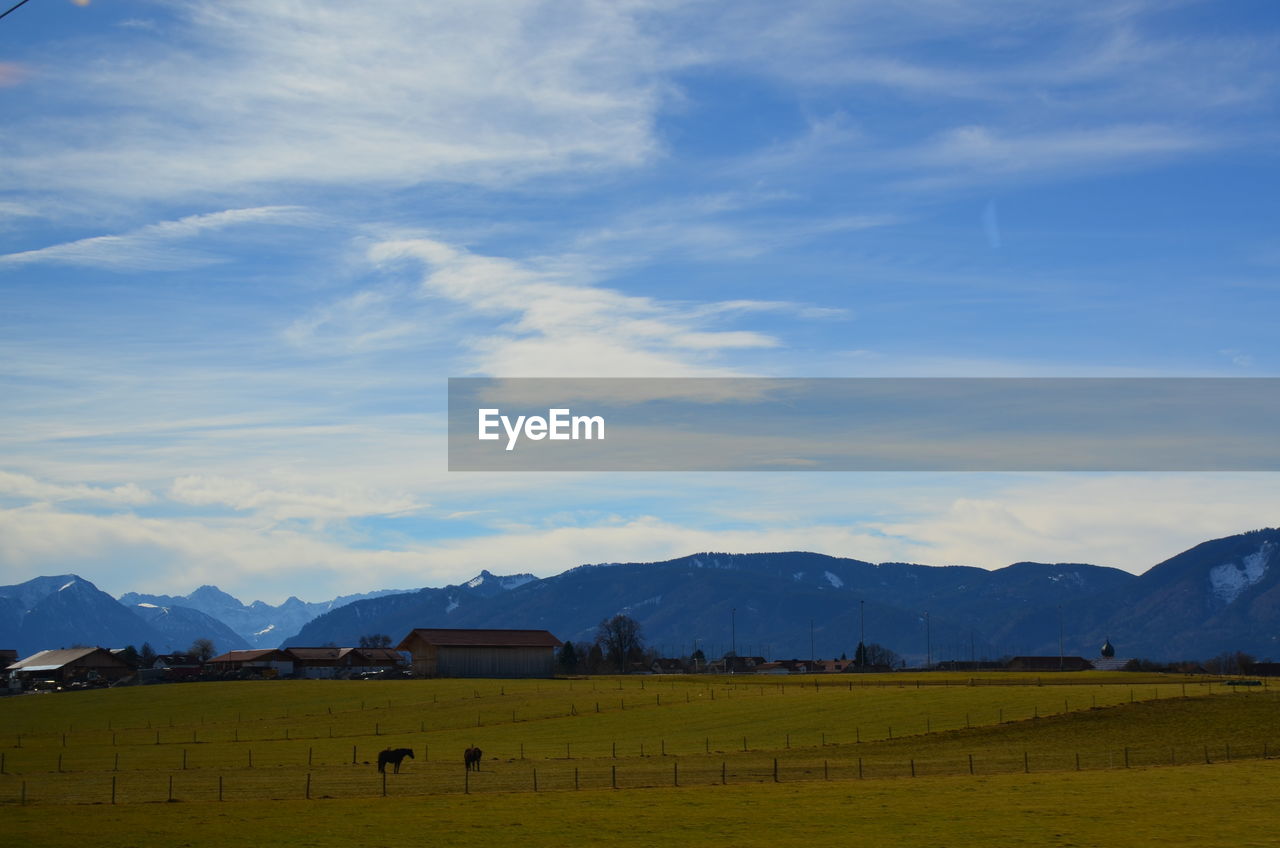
(890, 424)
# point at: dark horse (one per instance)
(395, 756)
(471, 757)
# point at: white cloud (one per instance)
(155, 247)
(246, 92)
(283, 504)
(982, 150)
(551, 320)
(1127, 521)
(23, 487)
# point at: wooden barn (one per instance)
(67, 664)
(481, 653)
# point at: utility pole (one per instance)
(928, 642)
(733, 631)
(1062, 662)
(812, 655)
(862, 629)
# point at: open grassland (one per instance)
(1217, 805)
(245, 741)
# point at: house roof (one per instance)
(259, 655)
(479, 638)
(313, 654)
(57, 658)
(383, 655)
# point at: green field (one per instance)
(796, 751)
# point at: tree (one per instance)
(595, 659)
(147, 655)
(877, 654)
(202, 649)
(860, 656)
(375, 640)
(698, 659)
(621, 639)
(568, 658)
(130, 655)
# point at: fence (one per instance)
(427, 778)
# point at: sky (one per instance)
(245, 243)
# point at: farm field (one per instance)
(264, 753)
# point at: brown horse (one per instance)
(471, 758)
(395, 756)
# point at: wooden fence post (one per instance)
(219, 787)
(913, 768)
(384, 783)
(308, 786)
(170, 787)
(575, 777)
(971, 764)
(1026, 763)
(614, 776)
(113, 789)
(859, 768)
(535, 779)
(775, 769)
(826, 772)
(675, 773)
(724, 774)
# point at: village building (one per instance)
(481, 653)
(334, 662)
(668, 665)
(70, 664)
(782, 667)
(1107, 659)
(264, 662)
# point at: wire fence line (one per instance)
(600, 699)
(363, 781)
(174, 734)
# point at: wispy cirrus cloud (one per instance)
(277, 504)
(244, 93)
(553, 318)
(26, 488)
(155, 247)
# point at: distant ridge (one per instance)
(1221, 595)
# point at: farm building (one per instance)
(481, 653)
(267, 662)
(67, 664)
(342, 662)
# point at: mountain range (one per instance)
(1222, 595)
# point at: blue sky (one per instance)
(243, 244)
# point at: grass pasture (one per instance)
(266, 747)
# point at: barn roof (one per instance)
(479, 638)
(327, 653)
(259, 655)
(57, 658)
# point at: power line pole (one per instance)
(928, 642)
